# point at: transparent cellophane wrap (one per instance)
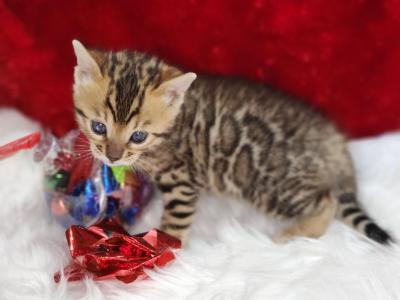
(80, 190)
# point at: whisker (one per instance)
(142, 165)
(82, 146)
(81, 143)
(83, 156)
(83, 152)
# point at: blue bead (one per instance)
(129, 214)
(112, 206)
(91, 199)
(77, 213)
(109, 181)
(78, 189)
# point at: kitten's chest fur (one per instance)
(238, 137)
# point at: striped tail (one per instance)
(351, 213)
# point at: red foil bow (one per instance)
(107, 251)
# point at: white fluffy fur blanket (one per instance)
(230, 255)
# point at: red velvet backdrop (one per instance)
(343, 56)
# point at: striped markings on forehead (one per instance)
(130, 76)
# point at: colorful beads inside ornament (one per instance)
(81, 191)
(82, 206)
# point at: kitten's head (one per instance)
(125, 101)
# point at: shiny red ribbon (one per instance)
(27, 142)
(107, 251)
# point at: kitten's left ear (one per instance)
(174, 89)
(86, 68)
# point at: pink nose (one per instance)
(114, 151)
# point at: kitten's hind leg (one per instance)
(313, 224)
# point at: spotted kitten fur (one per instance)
(222, 135)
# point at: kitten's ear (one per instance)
(86, 68)
(174, 89)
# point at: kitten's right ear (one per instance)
(86, 69)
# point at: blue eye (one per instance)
(98, 128)
(138, 137)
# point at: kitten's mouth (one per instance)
(114, 164)
(110, 163)
(104, 159)
(101, 157)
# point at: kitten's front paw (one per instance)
(282, 238)
(181, 235)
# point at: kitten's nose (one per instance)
(114, 151)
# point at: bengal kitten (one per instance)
(227, 136)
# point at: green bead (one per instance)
(58, 181)
(119, 173)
